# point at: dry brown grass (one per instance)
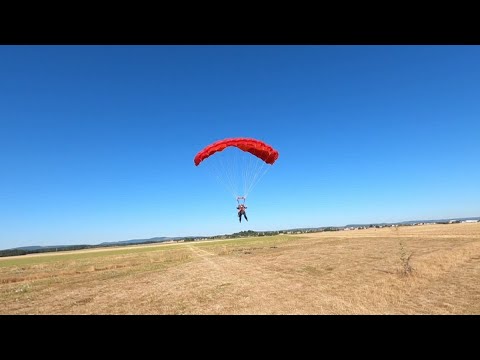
(346, 272)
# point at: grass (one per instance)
(344, 272)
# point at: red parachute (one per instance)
(254, 147)
(238, 163)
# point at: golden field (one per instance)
(344, 272)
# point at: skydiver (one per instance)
(241, 211)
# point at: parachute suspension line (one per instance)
(258, 176)
(254, 172)
(229, 171)
(231, 161)
(239, 156)
(240, 166)
(244, 165)
(258, 172)
(229, 167)
(226, 172)
(249, 169)
(240, 171)
(221, 172)
(247, 162)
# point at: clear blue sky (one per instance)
(97, 142)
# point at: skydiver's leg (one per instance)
(245, 214)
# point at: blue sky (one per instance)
(97, 142)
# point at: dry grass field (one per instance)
(344, 272)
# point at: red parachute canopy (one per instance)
(253, 146)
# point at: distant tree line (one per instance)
(18, 252)
(241, 234)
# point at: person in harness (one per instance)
(241, 209)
